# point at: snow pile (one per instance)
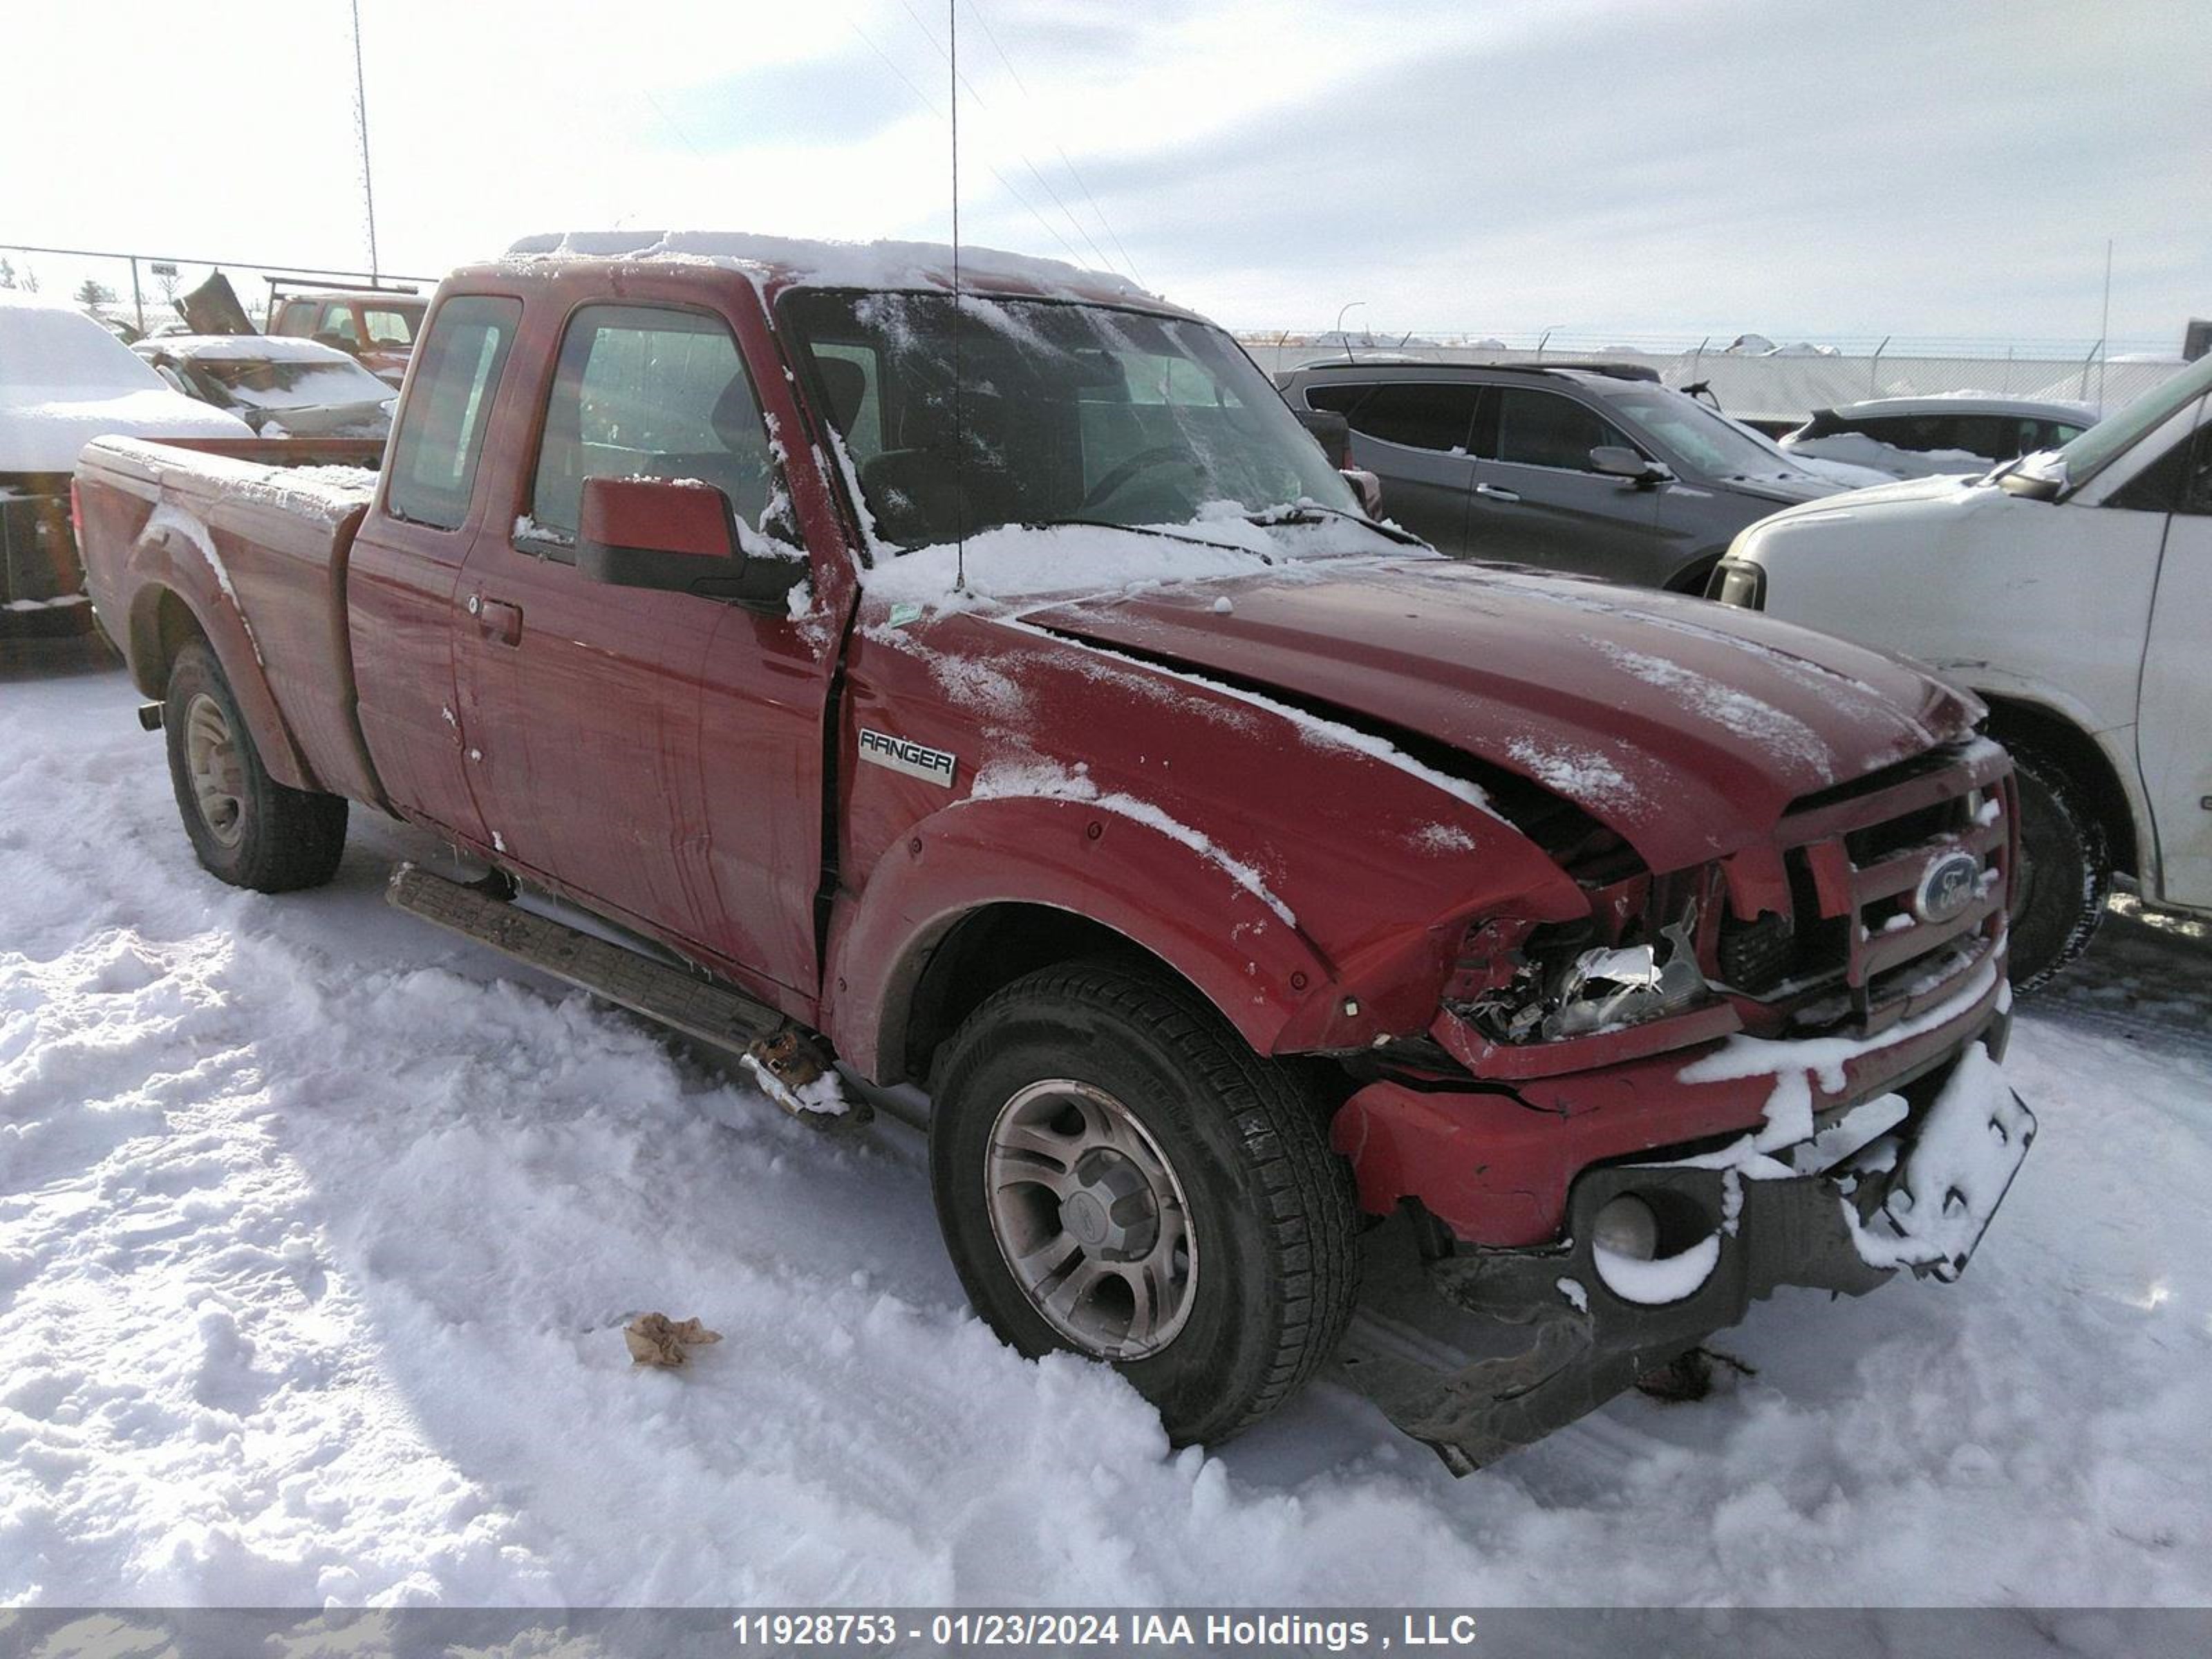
(1872, 455)
(319, 1229)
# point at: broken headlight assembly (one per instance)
(1560, 985)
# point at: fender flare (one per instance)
(1260, 971)
(166, 565)
(2012, 699)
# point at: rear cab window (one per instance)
(441, 436)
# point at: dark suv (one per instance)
(1593, 467)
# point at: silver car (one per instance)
(1927, 437)
(1592, 467)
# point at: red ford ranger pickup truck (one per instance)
(994, 689)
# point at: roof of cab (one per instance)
(776, 262)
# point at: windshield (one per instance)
(1065, 413)
(1710, 444)
(2095, 450)
(293, 385)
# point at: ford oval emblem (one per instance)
(1947, 887)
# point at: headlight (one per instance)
(1560, 992)
(1742, 585)
(1605, 988)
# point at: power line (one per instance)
(929, 104)
(1074, 223)
(1112, 236)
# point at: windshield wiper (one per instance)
(1144, 529)
(1303, 512)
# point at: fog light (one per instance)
(1625, 1227)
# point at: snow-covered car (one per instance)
(277, 387)
(65, 380)
(2071, 591)
(1925, 437)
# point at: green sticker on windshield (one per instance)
(904, 614)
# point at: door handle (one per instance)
(497, 621)
(1496, 493)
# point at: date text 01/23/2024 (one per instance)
(1213, 1631)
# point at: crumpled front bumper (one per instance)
(1568, 1327)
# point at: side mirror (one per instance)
(676, 537)
(1367, 487)
(1331, 431)
(1615, 462)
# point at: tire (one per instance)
(247, 829)
(2065, 873)
(1253, 1300)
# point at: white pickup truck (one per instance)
(2072, 592)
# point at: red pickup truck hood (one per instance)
(1688, 728)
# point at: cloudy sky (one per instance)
(1948, 169)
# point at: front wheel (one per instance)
(247, 829)
(2064, 875)
(1117, 1174)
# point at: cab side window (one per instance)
(433, 454)
(1542, 428)
(1418, 415)
(640, 392)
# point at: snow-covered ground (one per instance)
(318, 1228)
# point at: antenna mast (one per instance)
(360, 117)
(959, 425)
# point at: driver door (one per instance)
(656, 756)
(1538, 501)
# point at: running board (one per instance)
(770, 1046)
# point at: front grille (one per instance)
(37, 561)
(1821, 930)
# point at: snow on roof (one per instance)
(63, 353)
(246, 349)
(879, 264)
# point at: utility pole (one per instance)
(2104, 328)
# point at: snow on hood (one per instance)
(1686, 728)
(245, 349)
(1944, 490)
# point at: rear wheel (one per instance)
(2064, 876)
(247, 829)
(1116, 1174)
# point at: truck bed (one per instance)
(247, 542)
